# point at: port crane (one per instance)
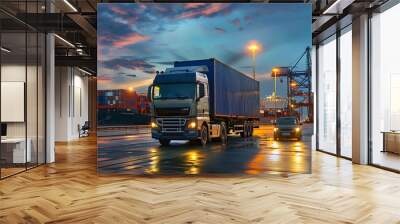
(298, 79)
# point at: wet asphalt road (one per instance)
(139, 154)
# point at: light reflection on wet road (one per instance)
(140, 154)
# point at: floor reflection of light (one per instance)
(193, 160)
(274, 157)
(192, 170)
(275, 144)
(130, 167)
(153, 150)
(297, 162)
(193, 156)
(154, 161)
(154, 165)
(297, 148)
(274, 172)
(298, 158)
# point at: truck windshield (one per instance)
(174, 91)
(286, 120)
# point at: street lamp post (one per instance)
(274, 73)
(254, 48)
(253, 56)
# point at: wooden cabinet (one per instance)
(391, 142)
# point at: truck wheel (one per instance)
(251, 130)
(204, 135)
(244, 133)
(164, 142)
(248, 130)
(224, 134)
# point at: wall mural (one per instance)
(185, 88)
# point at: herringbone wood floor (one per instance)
(70, 191)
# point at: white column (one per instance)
(50, 99)
(360, 90)
(50, 92)
(314, 90)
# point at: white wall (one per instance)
(71, 102)
(33, 125)
(12, 73)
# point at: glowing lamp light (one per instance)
(154, 125)
(253, 47)
(192, 124)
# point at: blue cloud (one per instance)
(172, 32)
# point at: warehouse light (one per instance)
(333, 6)
(70, 5)
(64, 40)
(5, 50)
(337, 7)
(84, 71)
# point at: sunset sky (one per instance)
(135, 40)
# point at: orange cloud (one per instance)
(193, 5)
(140, 83)
(135, 85)
(118, 11)
(103, 80)
(130, 40)
(214, 8)
(210, 10)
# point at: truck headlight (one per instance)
(297, 129)
(154, 125)
(276, 129)
(192, 124)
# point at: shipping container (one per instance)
(232, 93)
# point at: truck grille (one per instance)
(172, 111)
(171, 125)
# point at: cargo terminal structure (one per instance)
(48, 67)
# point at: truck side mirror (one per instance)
(149, 93)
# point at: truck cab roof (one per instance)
(187, 69)
(180, 77)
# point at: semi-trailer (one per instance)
(202, 100)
